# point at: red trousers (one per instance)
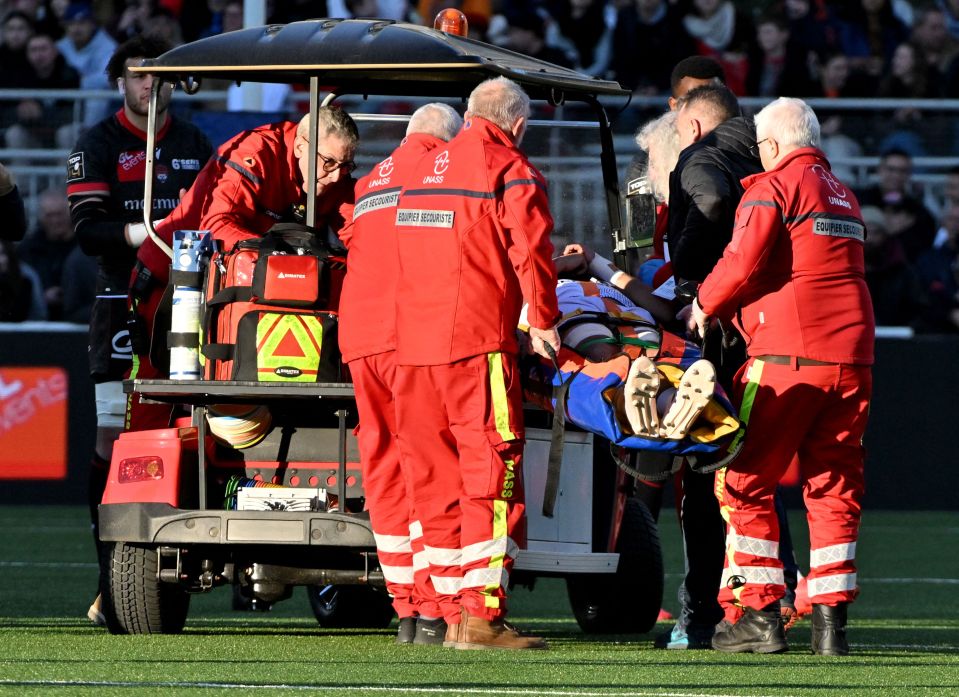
(461, 427)
(386, 483)
(818, 412)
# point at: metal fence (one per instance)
(865, 128)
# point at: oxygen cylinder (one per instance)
(191, 250)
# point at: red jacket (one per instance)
(368, 299)
(473, 227)
(251, 183)
(793, 274)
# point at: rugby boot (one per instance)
(757, 631)
(406, 631)
(696, 387)
(481, 633)
(829, 630)
(430, 632)
(641, 388)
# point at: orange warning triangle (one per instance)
(289, 346)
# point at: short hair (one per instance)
(660, 136)
(436, 119)
(717, 101)
(143, 46)
(331, 120)
(697, 67)
(500, 101)
(789, 121)
(894, 152)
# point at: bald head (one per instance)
(435, 119)
(502, 102)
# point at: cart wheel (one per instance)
(351, 607)
(138, 603)
(628, 601)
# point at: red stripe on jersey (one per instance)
(88, 188)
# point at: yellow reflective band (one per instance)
(127, 416)
(497, 387)
(500, 510)
(754, 377)
(271, 330)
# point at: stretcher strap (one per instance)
(183, 339)
(557, 440)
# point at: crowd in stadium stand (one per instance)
(803, 48)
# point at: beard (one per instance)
(163, 103)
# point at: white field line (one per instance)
(908, 647)
(405, 689)
(93, 565)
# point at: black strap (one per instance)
(557, 440)
(183, 339)
(218, 352)
(190, 279)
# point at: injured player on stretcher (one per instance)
(628, 379)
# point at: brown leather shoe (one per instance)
(452, 635)
(480, 633)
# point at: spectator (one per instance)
(48, 246)
(526, 33)
(906, 215)
(164, 24)
(812, 27)
(893, 283)
(588, 26)
(132, 20)
(782, 69)
(42, 15)
(45, 123)
(649, 38)
(14, 221)
(15, 31)
(21, 293)
(87, 48)
(79, 286)
(950, 9)
(727, 34)
(869, 32)
(937, 48)
(938, 270)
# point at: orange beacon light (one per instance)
(451, 21)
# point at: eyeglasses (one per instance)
(331, 164)
(754, 149)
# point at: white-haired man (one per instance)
(473, 231)
(793, 279)
(367, 338)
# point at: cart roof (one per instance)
(369, 56)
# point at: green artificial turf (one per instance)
(904, 632)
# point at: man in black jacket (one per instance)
(704, 191)
(14, 225)
(719, 149)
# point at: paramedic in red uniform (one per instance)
(793, 279)
(367, 336)
(255, 180)
(472, 227)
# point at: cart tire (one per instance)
(138, 603)
(351, 607)
(628, 601)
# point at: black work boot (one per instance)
(406, 631)
(829, 630)
(757, 631)
(430, 632)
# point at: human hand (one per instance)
(579, 248)
(696, 320)
(29, 110)
(540, 338)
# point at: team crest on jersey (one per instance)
(75, 168)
